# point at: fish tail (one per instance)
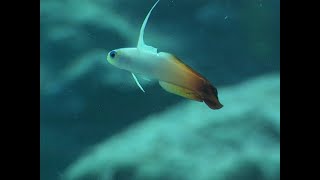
(210, 97)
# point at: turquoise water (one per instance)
(97, 124)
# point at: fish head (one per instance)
(113, 57)
(122, 58)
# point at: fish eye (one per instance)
(113, 54)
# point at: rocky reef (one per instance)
(241, 141)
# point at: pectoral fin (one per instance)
(174, 89)
(135, 78)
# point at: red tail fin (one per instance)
(211, 97)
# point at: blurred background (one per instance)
(97, 124)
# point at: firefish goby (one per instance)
(173, 75)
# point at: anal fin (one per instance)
(180, 91)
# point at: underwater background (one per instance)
(95, 122)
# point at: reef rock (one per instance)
(190, 141)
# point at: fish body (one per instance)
(162, 66)
(174, 76)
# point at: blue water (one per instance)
(85, 100)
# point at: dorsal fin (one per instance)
(141, 45)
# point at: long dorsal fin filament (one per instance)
(141, 45)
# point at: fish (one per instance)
(173, 75)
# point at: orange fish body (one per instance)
(178, 78)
